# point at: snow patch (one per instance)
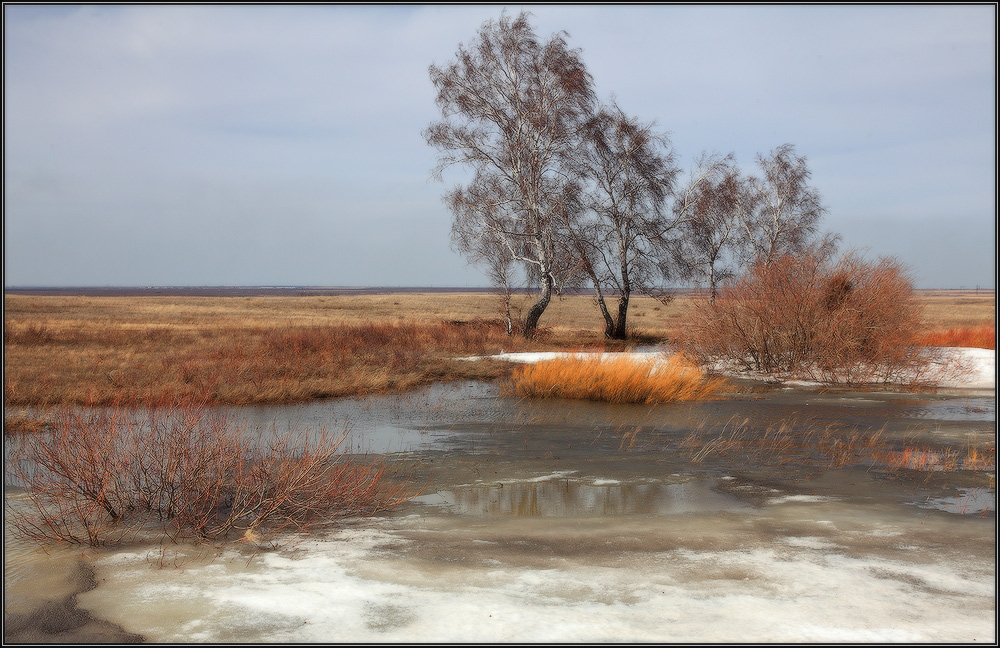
(790, 499)
(363, 587)
(559, 474)
(977, 366)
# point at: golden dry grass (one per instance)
(978, 337)
(614, 380)
(237, 365)
(77, 349)
(575, 315)
(946, 309)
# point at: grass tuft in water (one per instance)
(614, 380)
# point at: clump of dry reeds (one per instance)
(106, 475)
(614, 379)
(978, 337)
(803, 445)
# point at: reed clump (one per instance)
(614, 379)
(106, 475)
(791, 443)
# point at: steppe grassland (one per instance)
(575, 313)
(254, 350)
(75, 349)
(947, 309)
(129, 350)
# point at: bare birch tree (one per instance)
(710, 209)
(512, 107)
(487, 247)
(621, 244)
(785, 211)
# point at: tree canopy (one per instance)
(512, 109)
(564, 191)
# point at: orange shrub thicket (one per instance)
(851, 321)
(978, 337)
(106, 475)
(613, 380)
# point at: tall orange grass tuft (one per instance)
(614, 380)
(977, 337)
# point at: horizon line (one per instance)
(332, 289)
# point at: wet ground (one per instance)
(574, 521)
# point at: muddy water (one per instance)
(572, 521)
(41, 586)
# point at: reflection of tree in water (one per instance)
(562, 498)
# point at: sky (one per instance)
(282, 145)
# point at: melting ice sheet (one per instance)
(968, 501)
(799, 570)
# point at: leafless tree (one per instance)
(710, 209)
(484, 246)
(512, 107)
(621, 243)
(784, 211)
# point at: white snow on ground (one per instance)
(979, 368)
(363, 586)
(541, 356)
(976, 368)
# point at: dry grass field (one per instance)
(947, 309)
(76, 349)
(575, 314)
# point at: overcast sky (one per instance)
(273, 145)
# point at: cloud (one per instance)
(125, 122)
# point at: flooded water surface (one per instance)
(772, 515)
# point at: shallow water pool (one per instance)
(578, 521)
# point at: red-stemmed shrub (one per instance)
(849, 321)
(105, 475)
